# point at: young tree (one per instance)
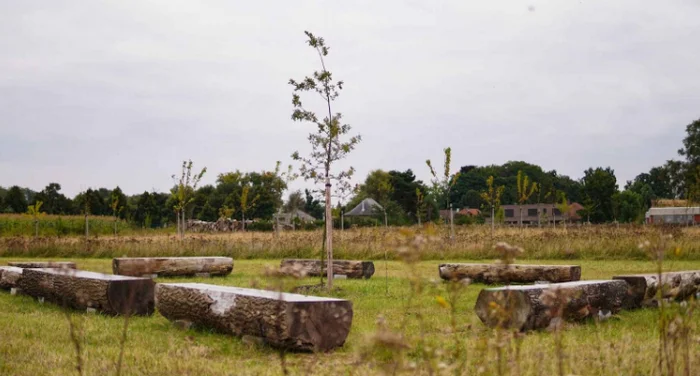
(245, 204)
(117, 207)
(562, 206)
(183, 193)
(35, 212)
(525, 191)
(492, 197)
(327, 143)
(443, 184)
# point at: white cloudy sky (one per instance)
(100, 93)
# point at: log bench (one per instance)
(172, 266)
(110, 294)
(498, 273)
(527, 307)
(9, 277)
(312, 268)
(291, 321)
(43, 264)
(676, 285)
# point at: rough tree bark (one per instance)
(525, 307)
(514, 273)
(290, 321)
(110, 294)
(43, 264)
(9, 276)
(171, 266)
(312, 268)
(676, 285)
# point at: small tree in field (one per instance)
(327, 143)
(442, 185)
(35, 212)
(563, 207)
(525, 191)
(492, 196)
(116, 209)
(183, 193)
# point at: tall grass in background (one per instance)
(469, 242)
(59, 225)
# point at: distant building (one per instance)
(366, 208)
(673, 215)
(445, 214)
(538, 213)
(286, 220)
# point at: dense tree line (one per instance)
(405, 198)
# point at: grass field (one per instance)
(419, 336)
(600, 242)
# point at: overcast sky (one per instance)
(100, 93)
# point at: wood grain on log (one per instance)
(43, 264)
(9, 276)
(514, 273)
(110, 294)
(172, 266)
(528, 307)
(676, 285)
(313, 268)
(291, 321)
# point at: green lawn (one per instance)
(34, 337)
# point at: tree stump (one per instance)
(529, 307)
(172, 266)
(676, 285)
(43, 264)
(9, 276)
(291, 321)
(110, 294)
(313, 268)
(514, 273)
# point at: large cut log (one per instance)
(110, 294)
(676, 285)
(9, 276)
(172, 266)
(528, 307)
(312, 268)
(514, 273)
(43, 264)
(291, 321)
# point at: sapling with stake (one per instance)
(329, 143)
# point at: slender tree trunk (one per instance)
(452, 223)
(177, 222)
(243, 221)
(329, 233)
(554, 217)
(87, 227)
(36, 228)
(184, 223)
(493, 220)
(115, 226)
(521, 215)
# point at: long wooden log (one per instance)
(291, 321)
(528, 307)
(43, 264)
(110, 294)
(172, 266)
(313, 268)
(9, 276)
(676, 285)
(514, 273)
